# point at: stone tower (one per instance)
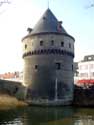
(48, 52)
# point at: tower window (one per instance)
(72, 68)
(58, 65)
(41, 43)
(62, 44)
(25, 46)
(52, 42)
(36, 67)
(69, 45)
(44, 18)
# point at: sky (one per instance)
(18, 15)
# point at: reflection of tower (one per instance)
(56, 92)
(48, 52)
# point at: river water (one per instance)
(47, 116)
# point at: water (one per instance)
(47, 116)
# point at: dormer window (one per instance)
(29, 30)
(59, 26)
(41, 43)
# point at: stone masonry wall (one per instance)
(12, 88)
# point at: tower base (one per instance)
(46, 102)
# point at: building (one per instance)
(86, 71)
(48, 52)
(12, 76)
(76, 73)
(75, 68)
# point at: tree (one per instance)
(4, 2)
(2, 7)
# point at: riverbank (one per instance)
(84, 96)
(11, 94)
(7, 102)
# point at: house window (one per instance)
(41, 43)
(52, 42)
(93, 74)
(25, 46)
(58, 65)
(62, 44)
(69, 45)
(91, 66)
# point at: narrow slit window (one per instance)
(62, 44)
(58, 66)
(41, 43)
(36, 67)
(72, 68)
(69, 45)
(52, 42)
(25, 46)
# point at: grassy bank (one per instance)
(7, 102)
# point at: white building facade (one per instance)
(86, 70)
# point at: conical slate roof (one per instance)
(48, 24)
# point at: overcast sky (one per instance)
(16, 17)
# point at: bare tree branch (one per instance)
(4, 2)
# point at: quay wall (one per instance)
(12, 88)
(82, 96)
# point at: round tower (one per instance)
(48, 52)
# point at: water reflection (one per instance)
(84, 116)
(47, 116)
